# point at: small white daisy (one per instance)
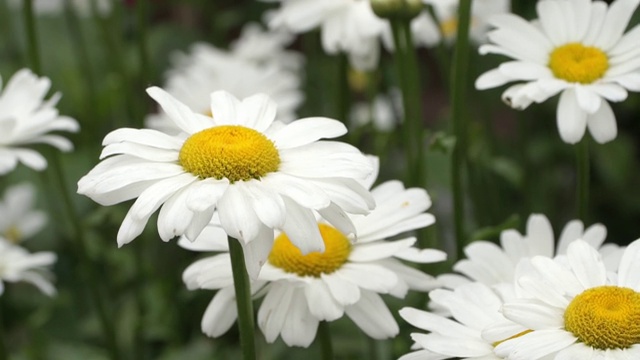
(347, 278)
(27, 118)
(18, 220)
(207, 69)
(257, 173)
(384, 112)
(17, 264)
(491, 264)
(266, 47)
(578, 309)
(577, 48)
(474, 307)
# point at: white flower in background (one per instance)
(27, 118)
(579, 310)
(17, 265)
(577, 48)
(257, 173)
(84, 8)
(384, 112)
(491, 264)
(207, 69)
(18, 220)
(348, 278)
(266, 47)
(346, 26)
(474, 308)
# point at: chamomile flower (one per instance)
(207, 69)
(474, 307)
(578, 309)
(27, 118)
(257, 173)
(346, 279)
(18, 220)
(577, 48)
(266, 47)
(18, 265)
(491, 264)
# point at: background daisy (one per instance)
(18, 220)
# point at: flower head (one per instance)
(17, 264)
(26, 118)
(257, 173)
(577, 48)
(18, 221)
(347, 278)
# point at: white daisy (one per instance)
(266, 47)
(491, 264)
(207, 69)
(18, 220)
(17, 264)
(259, 174)
(577, 48)
(346, 26)
(384, 112)
(578, 309)
(26, 118)
(302, 290)
(474, 308)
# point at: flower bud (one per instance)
(397, 9)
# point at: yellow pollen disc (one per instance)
(449, 27)
(577, 63)
(605, 317)
(231, 151)
(13, 234)
(511, 337)
(288, 257)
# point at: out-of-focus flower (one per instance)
(17, 264)
(384, 112)
(257, 173)
(576, 309)
(18, 220)
(577, 48)
(491, 264)
(27, 118)
(84, 8)
(257, 64)
(347, 278)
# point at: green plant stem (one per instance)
(4, 353)
(243, 300)
(458, 93)
(324, 334)
(582, 188)
(32, 41)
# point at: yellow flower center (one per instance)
(13, 234)
(575, 62)
(449, 27)
(605, 317)
(511, 337)
(288, 257)
(231, 151)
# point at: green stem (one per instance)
(32, 41)
(458, 93)
(582, 154)
(324, 335)
(243, 300)
(4, 353)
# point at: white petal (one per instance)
(571, 120)
(225, 108)
(492, 78)
(535, 345)
(181, 115)
(300, 327)
(258, 112)
(221, 313)
(602, 124)
(344, 291)
(257, 251)
(379, 249)
(615, 23)
(587, 100)
(237, 217)
(629, 269)
(369, 276)
(301, 228)
(307, 130)
(273, 310)
(373, 317)
(338, 218)
(321, 304)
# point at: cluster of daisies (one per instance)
(226, 160)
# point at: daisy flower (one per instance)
(491, 264)
(578, 310)
(207, 69)
(17, 264)
(475, 307)
(18, 220)
(27, 118)
(266, 47)
(257, 173)
(577, 48)
(347, 278)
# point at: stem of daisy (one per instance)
(458, 90)
(32, 41)
(243, 300)
(4, 354)
(325, 340)
(582, 188)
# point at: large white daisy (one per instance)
(259, 174)
(207, 69)
(302, 290)
(578, 309)
(18, 265)
(18, 219)
(491, 264)
(27, 118)
(577, 48)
